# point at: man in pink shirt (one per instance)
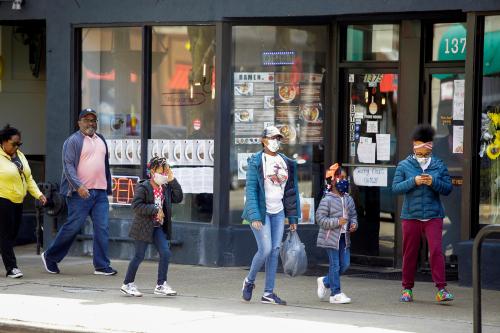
(86, 183)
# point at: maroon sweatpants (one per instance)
(412, 231)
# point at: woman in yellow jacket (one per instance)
(15, 181)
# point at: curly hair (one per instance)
(8, 132)
(424, 133)
(156, 162)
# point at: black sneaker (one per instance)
(15, 273)
(272, 299)
(105, 271)
(50, 266)
(247, 290)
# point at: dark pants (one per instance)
(162, 246)
(339, 263)
(10, 220)
(412, 233)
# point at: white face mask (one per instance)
(273, 145)
(160, 179)
(422, 160)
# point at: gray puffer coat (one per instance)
(145, 209)
(330, 209)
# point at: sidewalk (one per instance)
(210, 300)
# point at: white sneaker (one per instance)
(322, 290)
(130, 289)
(15, 273)
(165, 290)
(340, 299)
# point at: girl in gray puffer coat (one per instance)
(337, 218)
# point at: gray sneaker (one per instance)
(130, 289)
(165, 290)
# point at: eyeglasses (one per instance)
(89, 121)
(16, 143)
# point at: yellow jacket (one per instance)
(12, 186)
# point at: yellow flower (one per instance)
(493, 151)
(495, 118)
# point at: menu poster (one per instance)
(287, 98)
(253, 105)
(458, 99)
(310, 108)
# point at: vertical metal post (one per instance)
(476, 273)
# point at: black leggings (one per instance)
(10, 220)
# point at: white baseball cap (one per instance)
(271, 131)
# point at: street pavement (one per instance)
(210, 300)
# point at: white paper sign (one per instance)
(372, 126)
(195, 180)
(370, 177)
(242, 165)
(366, 152)
(365, 139)
(458, 139)
(458, 99)
(383, 147)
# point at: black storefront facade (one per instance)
(346, 81)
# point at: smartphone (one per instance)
(425, 175)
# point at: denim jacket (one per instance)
(72, 150)
(421, 202)
(255, 205)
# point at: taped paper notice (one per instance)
(375, 177)
(383, 147)
(372, 126)
(365, 139)
(458, 99)
(458, 139)
(366, 153)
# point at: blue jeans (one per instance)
(268, 239)
(97, 206)
(339, 263)
(162, 246)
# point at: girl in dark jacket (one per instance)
(422, 178)
(152, 206)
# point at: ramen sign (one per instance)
(123, 189)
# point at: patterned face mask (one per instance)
(342, 186)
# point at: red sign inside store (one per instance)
(123, 188)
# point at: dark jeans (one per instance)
(162, 246)
(339, 263)
(97, 206)
(10, 220)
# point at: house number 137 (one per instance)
(455, 45)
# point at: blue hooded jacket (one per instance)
(421, 202)
(255, 205)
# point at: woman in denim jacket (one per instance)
(271, 195)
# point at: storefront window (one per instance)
(378, 42)
(183, 113)
(111, 84)
(370, 145)
(449, 41)
(489, 151)
(278, 79)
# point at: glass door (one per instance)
(370, 158)
(445, 112)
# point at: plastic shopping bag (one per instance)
(293, 255)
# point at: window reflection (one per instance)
(111, 84)
(489, 170)
(183, 113)
(379, 42)
(278, 78)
